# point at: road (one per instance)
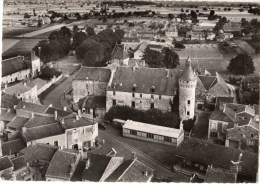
(125, 150)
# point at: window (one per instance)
(133, 132)
(188, 113)
(167, 139)
(213, 134)
(87, 86)
(152, 105)
(114, 92)
(152, 97)
(114, 102)
(133, 94)
(149, 135)
(56, 143)
(188, 102)
(133, 104)
(160, 97)
(141, 95)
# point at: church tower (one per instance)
(187, 87)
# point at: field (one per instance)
(8, 43)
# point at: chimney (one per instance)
(50, 105)
(15, 106)
(55, 115)
(133, 155)
(181, 125)
(65, 108)
(167, 72)
(32, 115)
(27, 165)
(79, 113)
(146, 173)
(23, 106)
(5, 86)
(8, 109)
(224, 108)
(77, 117)
(24, 84)
(62, 121)
(133, 68)
(24, 129)
(87, 164)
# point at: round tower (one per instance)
(187, 87)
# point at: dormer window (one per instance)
(152, 89)
(134, 87)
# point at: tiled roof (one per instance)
(98, 164)
(77, 176)
(18, 162)
(8, 101)
(208, 81)
(242, 132)
(19, 89)
(7, 115)
(222, 100)
(93, 73)
(93, 102)
(39, 82)
(136, 172)
(219, 116)
(32, 107)
(17, 123)
(5, 163)
(72, 122)
(119, 171)
(142, 46)
(119, 52)
(12, 147)
(42, 132)
(37, 121)
(61, 165)
(13, 65)
(60, 113)
(38, 151)
(210, 153)
(219, 175)
(188, 74)
(125, 78)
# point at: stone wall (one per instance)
(143, 103)
(83, 88)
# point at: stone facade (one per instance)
(83, 88)
(21, 75)
(138, 100)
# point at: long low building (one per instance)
(153, 133)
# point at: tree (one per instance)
(242, 64)
(179, 45)
(78, 38)
(26, 16)
(153, 58)
(119, 35)
(90, 52)
(75, 29)
(171, 59)
(170, 16)
(90, 31)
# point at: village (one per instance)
(125, 91)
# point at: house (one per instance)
(6, 168)
(16, 68)
(250, 83)
(228, 117)
(20, 168)
(62, 165)
(23, 91)
(220, 175)
(99, 167)
(5, 117)
(232, 26)
(12, 148)
(130, 42)
(220, 101)
(138, 88)
(139, 50)
(8, 101)
(244, 135)
(153, 133)
(119, 55)
(93, 107)
(171, 31)
(211, 36)
(90, 81)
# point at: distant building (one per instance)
(119, 55)
(153, 133)
(171, 31)
(232, 26)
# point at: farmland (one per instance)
(8, 43)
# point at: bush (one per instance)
(151, 116)
(257, 50)
(179, 45)
(48, 73)
(188, 124)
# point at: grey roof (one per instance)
(208, 81)
(188, 74)
(5, 163)
(93, 102)
(7, 115)
(93, 73)
(18, 162)
(19, 88)
(37, 121)
(219, 116)
(119, 52)
(12, 147)
(39, 151)
(8, 101)
(17, 123)
(13, 65)
(71, 122)
(61, 165)
(125, 78)
(42, 132)
(219, 175)
(32, 107)
(60, 113)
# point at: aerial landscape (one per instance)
(130, 91)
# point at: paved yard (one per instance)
(200, 129)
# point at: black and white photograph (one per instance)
(130, 91)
